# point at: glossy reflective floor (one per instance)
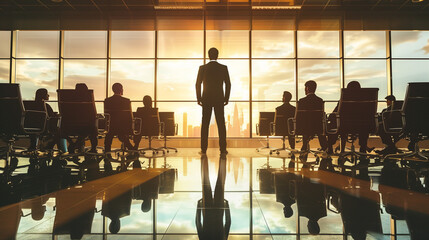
(243, 195)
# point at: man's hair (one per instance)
(147, 101)
(287, 96)
(390, 98)
(117, 88)
(311, 85)
(213, 53)
(353, 85)
(41, 94)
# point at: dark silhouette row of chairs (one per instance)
(78, 118)
(357, 114)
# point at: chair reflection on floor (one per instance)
(147, 192)
(116, 206)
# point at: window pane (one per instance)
(258, 107)
(236, 118)
(133, 44)
(410, 44)
(85, 44)
(136, 76)
(271, 78)
(35, 74)
(5, 44)
(231, 44)
(405, 71)
(37, 44)
(91, 72)
(326, 73)
(369, 73)
(239, 75)
(186, 114)
(4, 70)
(180, 44)
(176, 79)
(365, 44)
(272, 44)
(318, 44)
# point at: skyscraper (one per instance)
(185, 124)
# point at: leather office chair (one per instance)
(415, 114)
(151, 126)
(263, 128)
(357, 114)
(16, 121)
(168, 128)
(280, 128)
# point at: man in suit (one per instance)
(387, 138)
(288, 111)
(312, 102)
(114, 105)
(213, 76)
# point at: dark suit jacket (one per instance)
(286, 110)
(311, 102)
(119, 109)
(212, 75)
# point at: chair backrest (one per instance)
(309, 122)
(394, 119)
(357, 110)
(34, 122)
(78, 112)
(265, 119)
(281, 126)
(11, 109)
(121, 117)
(169, 125)
(416, 108)
(150, 121)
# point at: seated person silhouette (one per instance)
(311, 102)
(387, 138)
(332, 123)
(113, 106)
(288, 111)
(144, 113)
(283, 191)
(40, 104)
(147, 191)
(81, 90)
(116, 207)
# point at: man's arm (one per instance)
(198, 84)
(227, 86)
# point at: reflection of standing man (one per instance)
(213, 75)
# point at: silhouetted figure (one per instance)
(81, 92)
(144, 113)
(288, 111)
(332, 123)
(147, 192)
(116, 207)
(115, 106)
(282, 181)
(311, 102)
(213, 208)
(213, 76)
(387, 138)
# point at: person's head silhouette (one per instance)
(213, 53)
(390, 99)
(115, 225)
(37, 211)
(146, 205)
(147, 101)
(353, 85)
(287, 96)
(117, 89)
(287, 211)
(310, 87)
(42, 95)
(313, 227)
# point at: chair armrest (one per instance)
(162, 128)
(106, 118)
(257, 129)
(337, 118)
(39, 116)
(138, 122)
(272, 128)
(291, 126)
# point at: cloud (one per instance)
(426, 47)
(365, 43)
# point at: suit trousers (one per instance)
(220, 120)
(109, 138)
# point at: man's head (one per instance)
(390, 99)
(213, 53)
(42, 94)
(147, 101)
(287, 96)
(117, 89)
(353, 85)
(310, 87)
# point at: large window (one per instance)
(261, 63)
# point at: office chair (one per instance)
(16, 121)
(357, 114)
(151, 126)
(168, 128)
(280, 128)
(415, 114)
(263, 128)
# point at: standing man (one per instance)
(213, 76)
